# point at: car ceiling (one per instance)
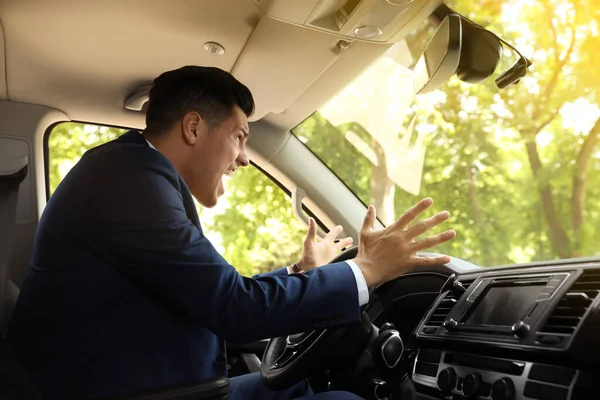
(85, 58)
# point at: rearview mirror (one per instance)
(441, 56)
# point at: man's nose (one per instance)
(242, 159)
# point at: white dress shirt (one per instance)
(361, 284)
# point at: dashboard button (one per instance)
(472, 386)
(503, 389)
(521, 329)
(446, 380)
(429, 330)
(552, 374)
(430, 355)
(548, 291)
(537, 390)
(549, 340)
(450, 324)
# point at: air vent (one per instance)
(571, 308)
(588, 283)
(443, 309)
(466, 283)
(441, 312)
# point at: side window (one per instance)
(252, 226)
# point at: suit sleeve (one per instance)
(276, 272)
(141, 227)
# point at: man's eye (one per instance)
(238, 138)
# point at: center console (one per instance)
(505, 334)
(478, 377)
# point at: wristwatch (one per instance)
(295, 268)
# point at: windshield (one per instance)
(517, 168)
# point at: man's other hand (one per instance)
(386, 254)
(315, 253)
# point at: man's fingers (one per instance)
(423, 226)
(432, 241)
(311, 235)
(332, 234)
(431, 261)
(369, 221)
(343, 243)
(411, 214)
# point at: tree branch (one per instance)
(547, 121)
(560, 62)
(558, 236)
(477, 214)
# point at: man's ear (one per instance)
(193, 127)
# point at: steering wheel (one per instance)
(287, 359)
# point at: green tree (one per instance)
(68, 142)
(516, 167)
(561, 36)
(258, 230)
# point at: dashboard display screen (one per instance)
(504, 305)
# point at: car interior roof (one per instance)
(85, 58)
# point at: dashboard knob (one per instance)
(446, 380)
(521, 329)
(503, 389)
(472, 385)
(454, 286)
(450, 324)
(448, 284)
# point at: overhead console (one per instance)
(513, 334)
(382, 21)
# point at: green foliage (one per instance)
(329, 143)
(481, 158)
(67, 143)
(259, 233)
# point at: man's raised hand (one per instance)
(316, 253)
(386, 254)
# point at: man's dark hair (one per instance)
(211, 92)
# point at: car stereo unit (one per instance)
(506, 308)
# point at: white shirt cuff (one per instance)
(361, 284)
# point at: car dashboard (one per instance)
(511, 333)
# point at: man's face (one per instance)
(215, 154)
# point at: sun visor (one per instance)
(280, 61)
(380, 21)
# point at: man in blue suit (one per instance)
(125, 293)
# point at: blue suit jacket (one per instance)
(125, 292)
